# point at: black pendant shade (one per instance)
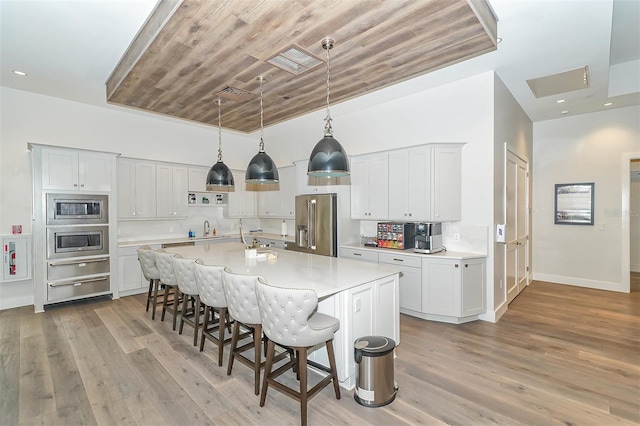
(261, 169)
(328, 159)
(219, 176)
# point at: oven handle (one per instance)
(90, 280)
(78, 262)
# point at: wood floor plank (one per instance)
(103, 393)
(10, 364)
(119, 329)
(72, 404)
(36, 404)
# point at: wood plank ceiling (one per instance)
(190, 50)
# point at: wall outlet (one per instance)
(171, 229)
(456, 237)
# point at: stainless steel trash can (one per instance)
(375, 384)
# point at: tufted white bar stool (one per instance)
(185, 276)
(164, 263)
(147, 259)
(289, 320)
(239, 290)
(209, 282)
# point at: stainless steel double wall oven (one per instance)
(77, 234)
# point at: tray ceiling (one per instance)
(189, 51)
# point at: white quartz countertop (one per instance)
(248, 236)
(326, 275)
(445, 254)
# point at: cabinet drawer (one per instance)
(75, 288)
(60, 269)
(398, 259)
(366, 255)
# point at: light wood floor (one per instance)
(560, 354)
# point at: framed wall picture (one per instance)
(574, 203)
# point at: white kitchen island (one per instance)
(364, 297)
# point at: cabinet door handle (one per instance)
(75, 184)
(456, 265)
(466, 265)
(357, 254)
(82, 186)
(398, 260)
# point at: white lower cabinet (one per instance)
(130, 277)
(410, 279)
(453, 289)
(448, 288)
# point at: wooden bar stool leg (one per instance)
(302, 369)
(334, 370)
(234, 344)
(154, 303)
(257, 346)
(196, 320)
(205, 324)
(221, 326)
(271, 349)
(164, 303)
(176, 305)
(149, 293)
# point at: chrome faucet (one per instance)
(206, 228)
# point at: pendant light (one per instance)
(328, 158)
(219, 175)
(261, 168)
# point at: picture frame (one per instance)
(574, 203)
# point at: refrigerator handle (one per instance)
(311, 211)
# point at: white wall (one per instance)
(513, 128)
(584, 148)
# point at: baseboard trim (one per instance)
(579, 282)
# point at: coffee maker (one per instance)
(428, 238)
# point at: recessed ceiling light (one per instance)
(20, 73)
(559, 101)
(565, 112)
(608, 104)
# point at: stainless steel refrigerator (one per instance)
(316, 224)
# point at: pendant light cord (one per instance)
(219, 102)
(328, 131)
(261, 118)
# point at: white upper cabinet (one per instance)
(424, 183)
(409, 184)
(64, 169)
(241, 202)
(198, 178)
(446, 184)
(136, 189)
(370, 186)
(278, 201)
(171, 191)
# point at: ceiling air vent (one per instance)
(563, 82)
(235, 94)
(295, 60)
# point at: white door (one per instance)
(517, 221)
